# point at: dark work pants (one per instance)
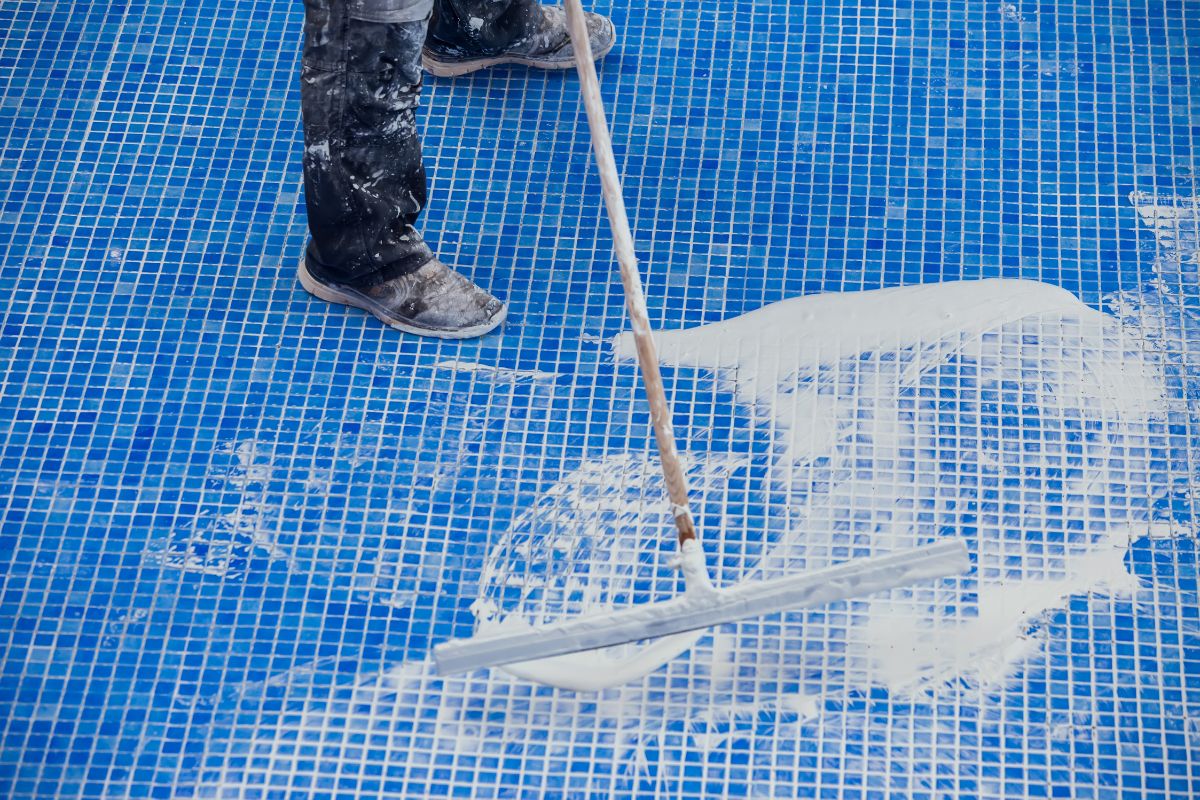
(364, 182)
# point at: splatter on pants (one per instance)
(364, 181)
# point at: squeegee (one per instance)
(536, 653)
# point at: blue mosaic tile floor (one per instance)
(234, 519)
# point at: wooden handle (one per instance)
(635, 300)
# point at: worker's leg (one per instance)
(364, 181)
(466, 35)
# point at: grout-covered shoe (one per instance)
(432, 301)
(542, 42)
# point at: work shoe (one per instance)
(546, 45)
(433, 301)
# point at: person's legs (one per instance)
(364, 182)
(466, 35)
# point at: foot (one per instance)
(548, 47)
(433, 301)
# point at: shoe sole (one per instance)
(452, 69)
(331, 294)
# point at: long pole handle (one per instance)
(635, 300)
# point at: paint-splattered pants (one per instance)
(364, 182)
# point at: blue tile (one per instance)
(236, 519)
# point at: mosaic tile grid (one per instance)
(237, 519)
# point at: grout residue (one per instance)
(998, 411)
(1004, 413)
(495, 373)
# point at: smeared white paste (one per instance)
(1175, 222)
(215, 541)
(500, 374)
(841, 377)
(868, 486)
(775, 341)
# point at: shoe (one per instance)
(549, 47)
(433, 301)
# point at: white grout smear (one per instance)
(791, 340)
(222, 544)
(911, 648)
(1175, 222)
(872, 467)
(1004, 413)
(1174, 219)
(499, 374)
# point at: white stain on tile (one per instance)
(1007, 414)
(495, 373)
